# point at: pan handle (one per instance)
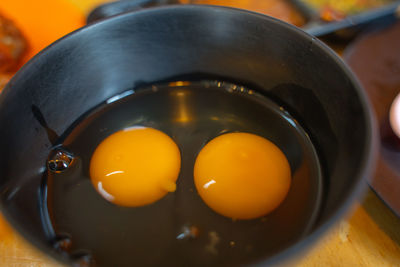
(123, 6)
(348, 27)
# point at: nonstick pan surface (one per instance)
(59, 88)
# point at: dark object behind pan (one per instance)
(88, 67)
(343, 29)
(375, 60)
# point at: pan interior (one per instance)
(192, 113)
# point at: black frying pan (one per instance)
(222, 54)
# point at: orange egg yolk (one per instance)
(135, 167)
(242, 175)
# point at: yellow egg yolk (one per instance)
(242, 175)
(135, 167)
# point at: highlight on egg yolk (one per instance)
(135, 167)
(242, 175)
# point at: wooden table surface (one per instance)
(368, 236)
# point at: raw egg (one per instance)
(135, 166)
(242, 175)
(395, 115)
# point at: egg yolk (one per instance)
(242, 175)
(135, 167)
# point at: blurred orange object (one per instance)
(279, 9)
(13, 46)
(88, 5)
(5, 230)
(43, 21)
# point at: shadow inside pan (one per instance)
(192, 113)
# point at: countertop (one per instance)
(368, 236)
